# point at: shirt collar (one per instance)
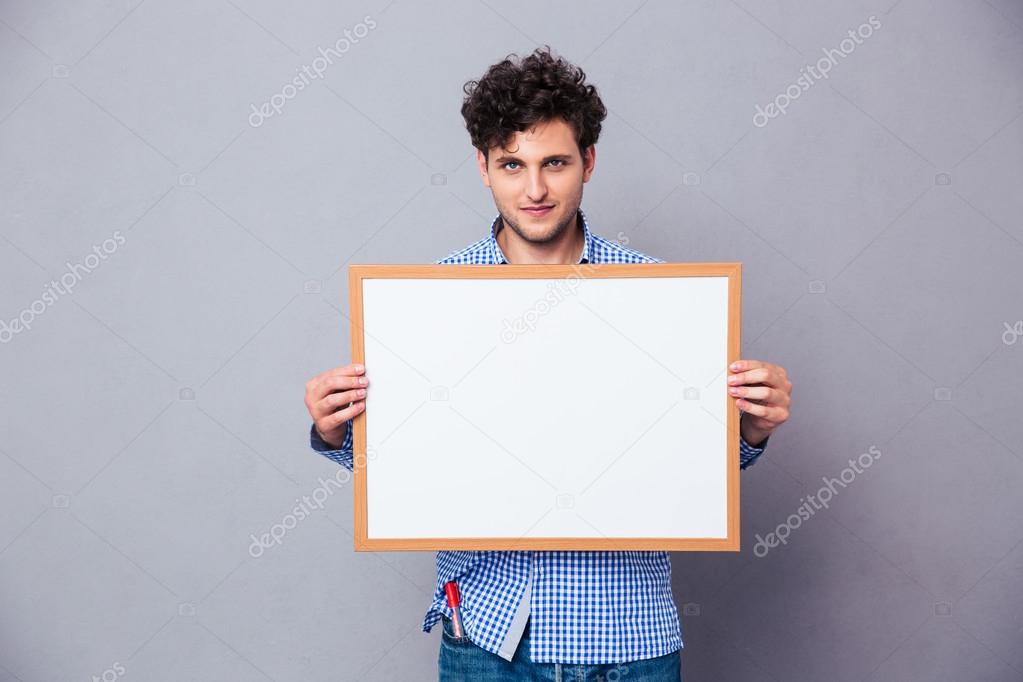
(498, 255)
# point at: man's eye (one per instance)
(507, 164)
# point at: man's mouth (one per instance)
(538, 211)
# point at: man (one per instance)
(531, 614)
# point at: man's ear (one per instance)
(589, 161)
(482, 161)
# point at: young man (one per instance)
(532, 614)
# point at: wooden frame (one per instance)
(378, 279)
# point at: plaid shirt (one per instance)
(584, 608)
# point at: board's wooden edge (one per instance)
(360, 519)
(512, 271)
(731, 410)
(732, 270)
(580, 544)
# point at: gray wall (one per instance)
(152, 413)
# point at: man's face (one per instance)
(539, 167)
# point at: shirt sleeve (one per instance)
(342, 455)
(748, 454)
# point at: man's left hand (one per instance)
(763, 392)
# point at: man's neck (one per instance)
(566, 251)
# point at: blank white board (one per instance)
(546, 407)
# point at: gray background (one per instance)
(153, 417)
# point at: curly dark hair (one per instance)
(512, 97)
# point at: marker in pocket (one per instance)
(451, 591)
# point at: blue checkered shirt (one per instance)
(584, 608)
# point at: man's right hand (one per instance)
(333, 398)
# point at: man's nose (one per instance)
(536, 188)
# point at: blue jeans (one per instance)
(462, 661)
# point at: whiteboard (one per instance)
(546, 407)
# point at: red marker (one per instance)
(451, 590)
